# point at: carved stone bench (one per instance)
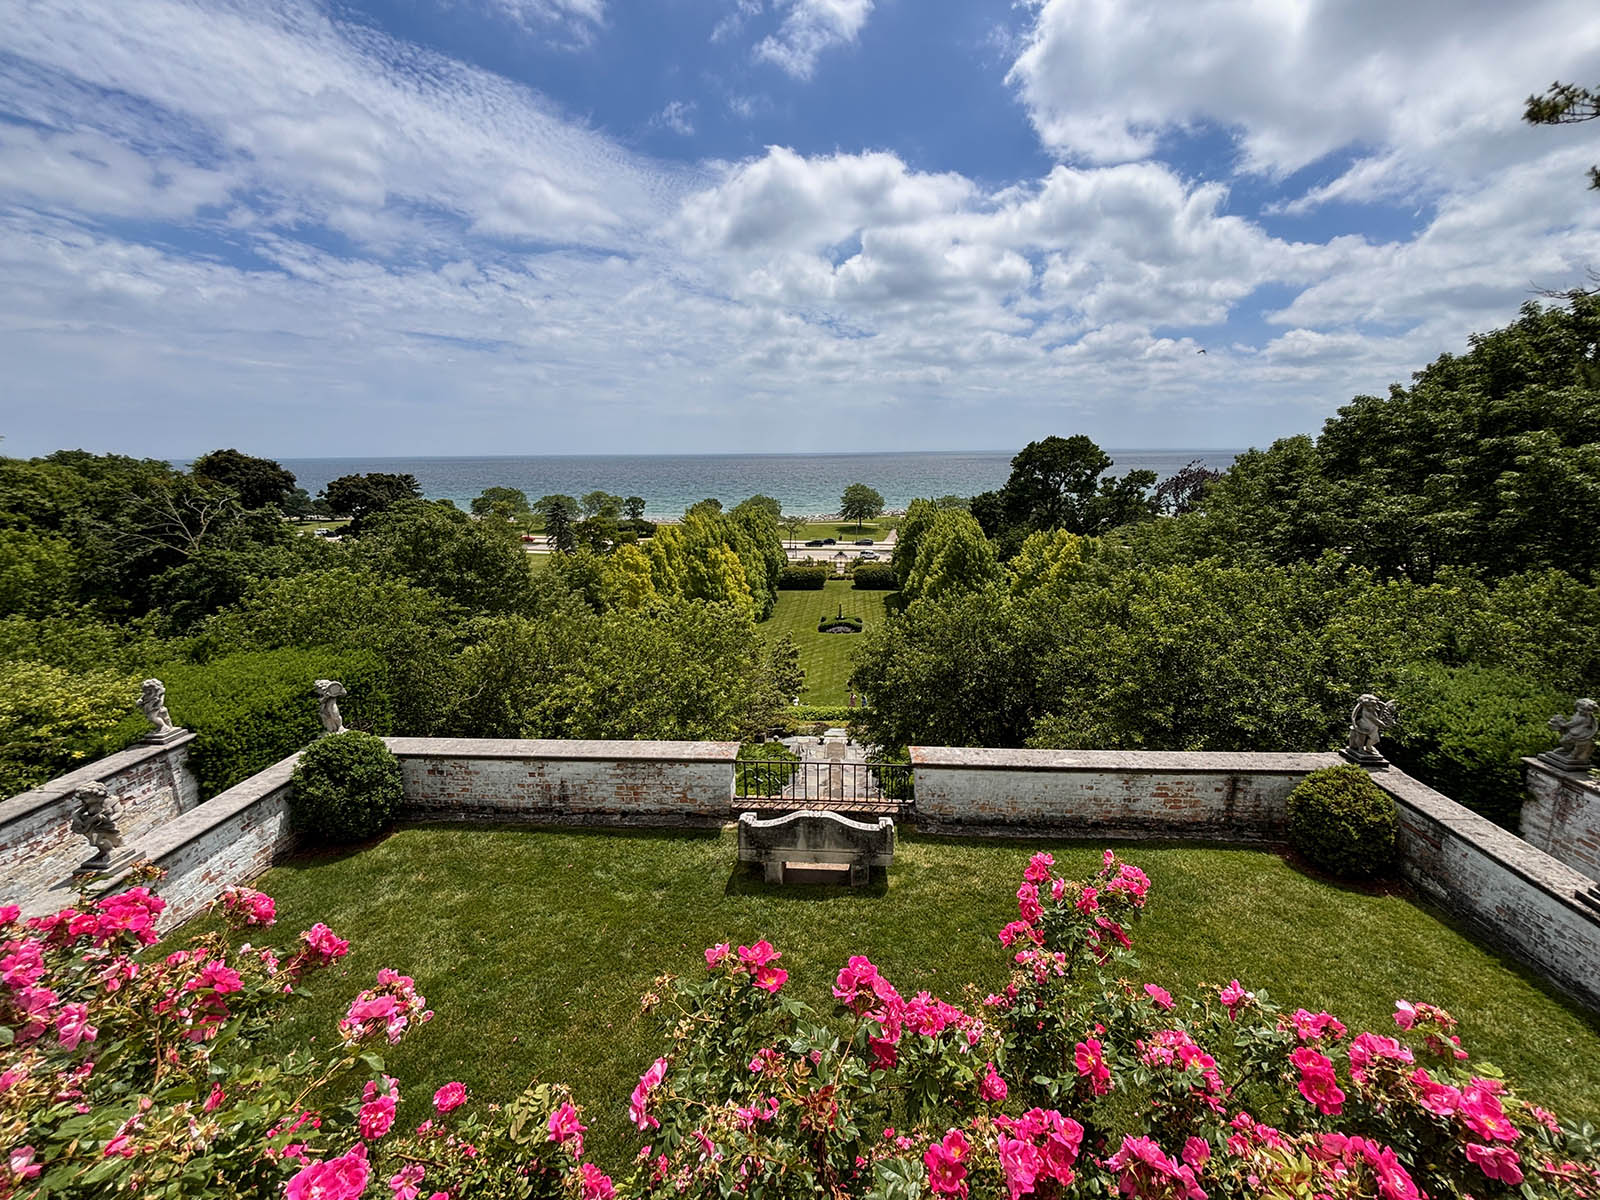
(816, 847)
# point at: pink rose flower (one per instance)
(449, 1098)
(946, 1161)
(715, 954)
(1497, 1162)
(342, 1178)
(638, 1103)
(991, 1087)
(564, 1125)
(1159, 994)
(596, 1186)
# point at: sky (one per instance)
(431, 227)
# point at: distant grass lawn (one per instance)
(825, 656)
(846, 531)
(534, 946)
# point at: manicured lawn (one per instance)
(846, 531)
(825, 656)
(534, 946)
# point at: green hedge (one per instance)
(1463, 731)
(250, 710)
(778, 764)
(874, 577)
(803, 579)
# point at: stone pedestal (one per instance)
(1363, 760)
(163, 738)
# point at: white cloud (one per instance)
(253, 223)
(578, 18)
(1440, 80)
(677, 116)
(811, 27)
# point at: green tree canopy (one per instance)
(860, 503)
(359, 496)
(500, 501)
(258, 481)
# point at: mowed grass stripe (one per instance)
(825, 656)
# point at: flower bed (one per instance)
(130, 1067)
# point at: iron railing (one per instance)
(792, 785)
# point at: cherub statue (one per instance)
(328, 693)
(153, 700)
(93, 821)
(1575, 748)
(1370, 717)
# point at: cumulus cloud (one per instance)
(811, 27)
(224, 222)
(1439, 80)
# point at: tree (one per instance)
(558, 525)
(860, 503)
(600, 504)
(479, 564)
(788, 676)
(1056, 483)
(1565, 104)
(500, 501)
(359, 496)
(258, 481)
(952, 556)
(793, 525)
(708, 506)
(52, 719)
(1182, 492)
(760, 503)
(633, 506)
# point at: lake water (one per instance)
(669, 483)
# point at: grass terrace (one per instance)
(534, 946)
(825, 656)
(846, 531)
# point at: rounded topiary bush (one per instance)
(1343, 822)
(346, 788)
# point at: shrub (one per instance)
(1464, 730)
(250, 710)
(1072, 1080)
(828, 624)
(53, 720)
(346, 789)
(1343, 822)
(803, 579)
(874, 577)
(765, 768)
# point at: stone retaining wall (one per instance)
(1515, 894)
(1561, 815)
(230, 839)
(1521, 898)
(1108, 793)
(38, 849)
(574, 782)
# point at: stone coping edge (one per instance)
(556, 749)
(24, 803)
(1585, 782)
(1530, 864)
(168, 839)
(1147, 762)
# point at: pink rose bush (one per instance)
(132, 1068)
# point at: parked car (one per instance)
(827, 541)
(864, 542)
(816, 542)
(866, 555)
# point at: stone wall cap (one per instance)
(1544, 871)
(1156, 762)
(512, 749)
(1578, 779)
(98, 771)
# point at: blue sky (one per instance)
(567, 226)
